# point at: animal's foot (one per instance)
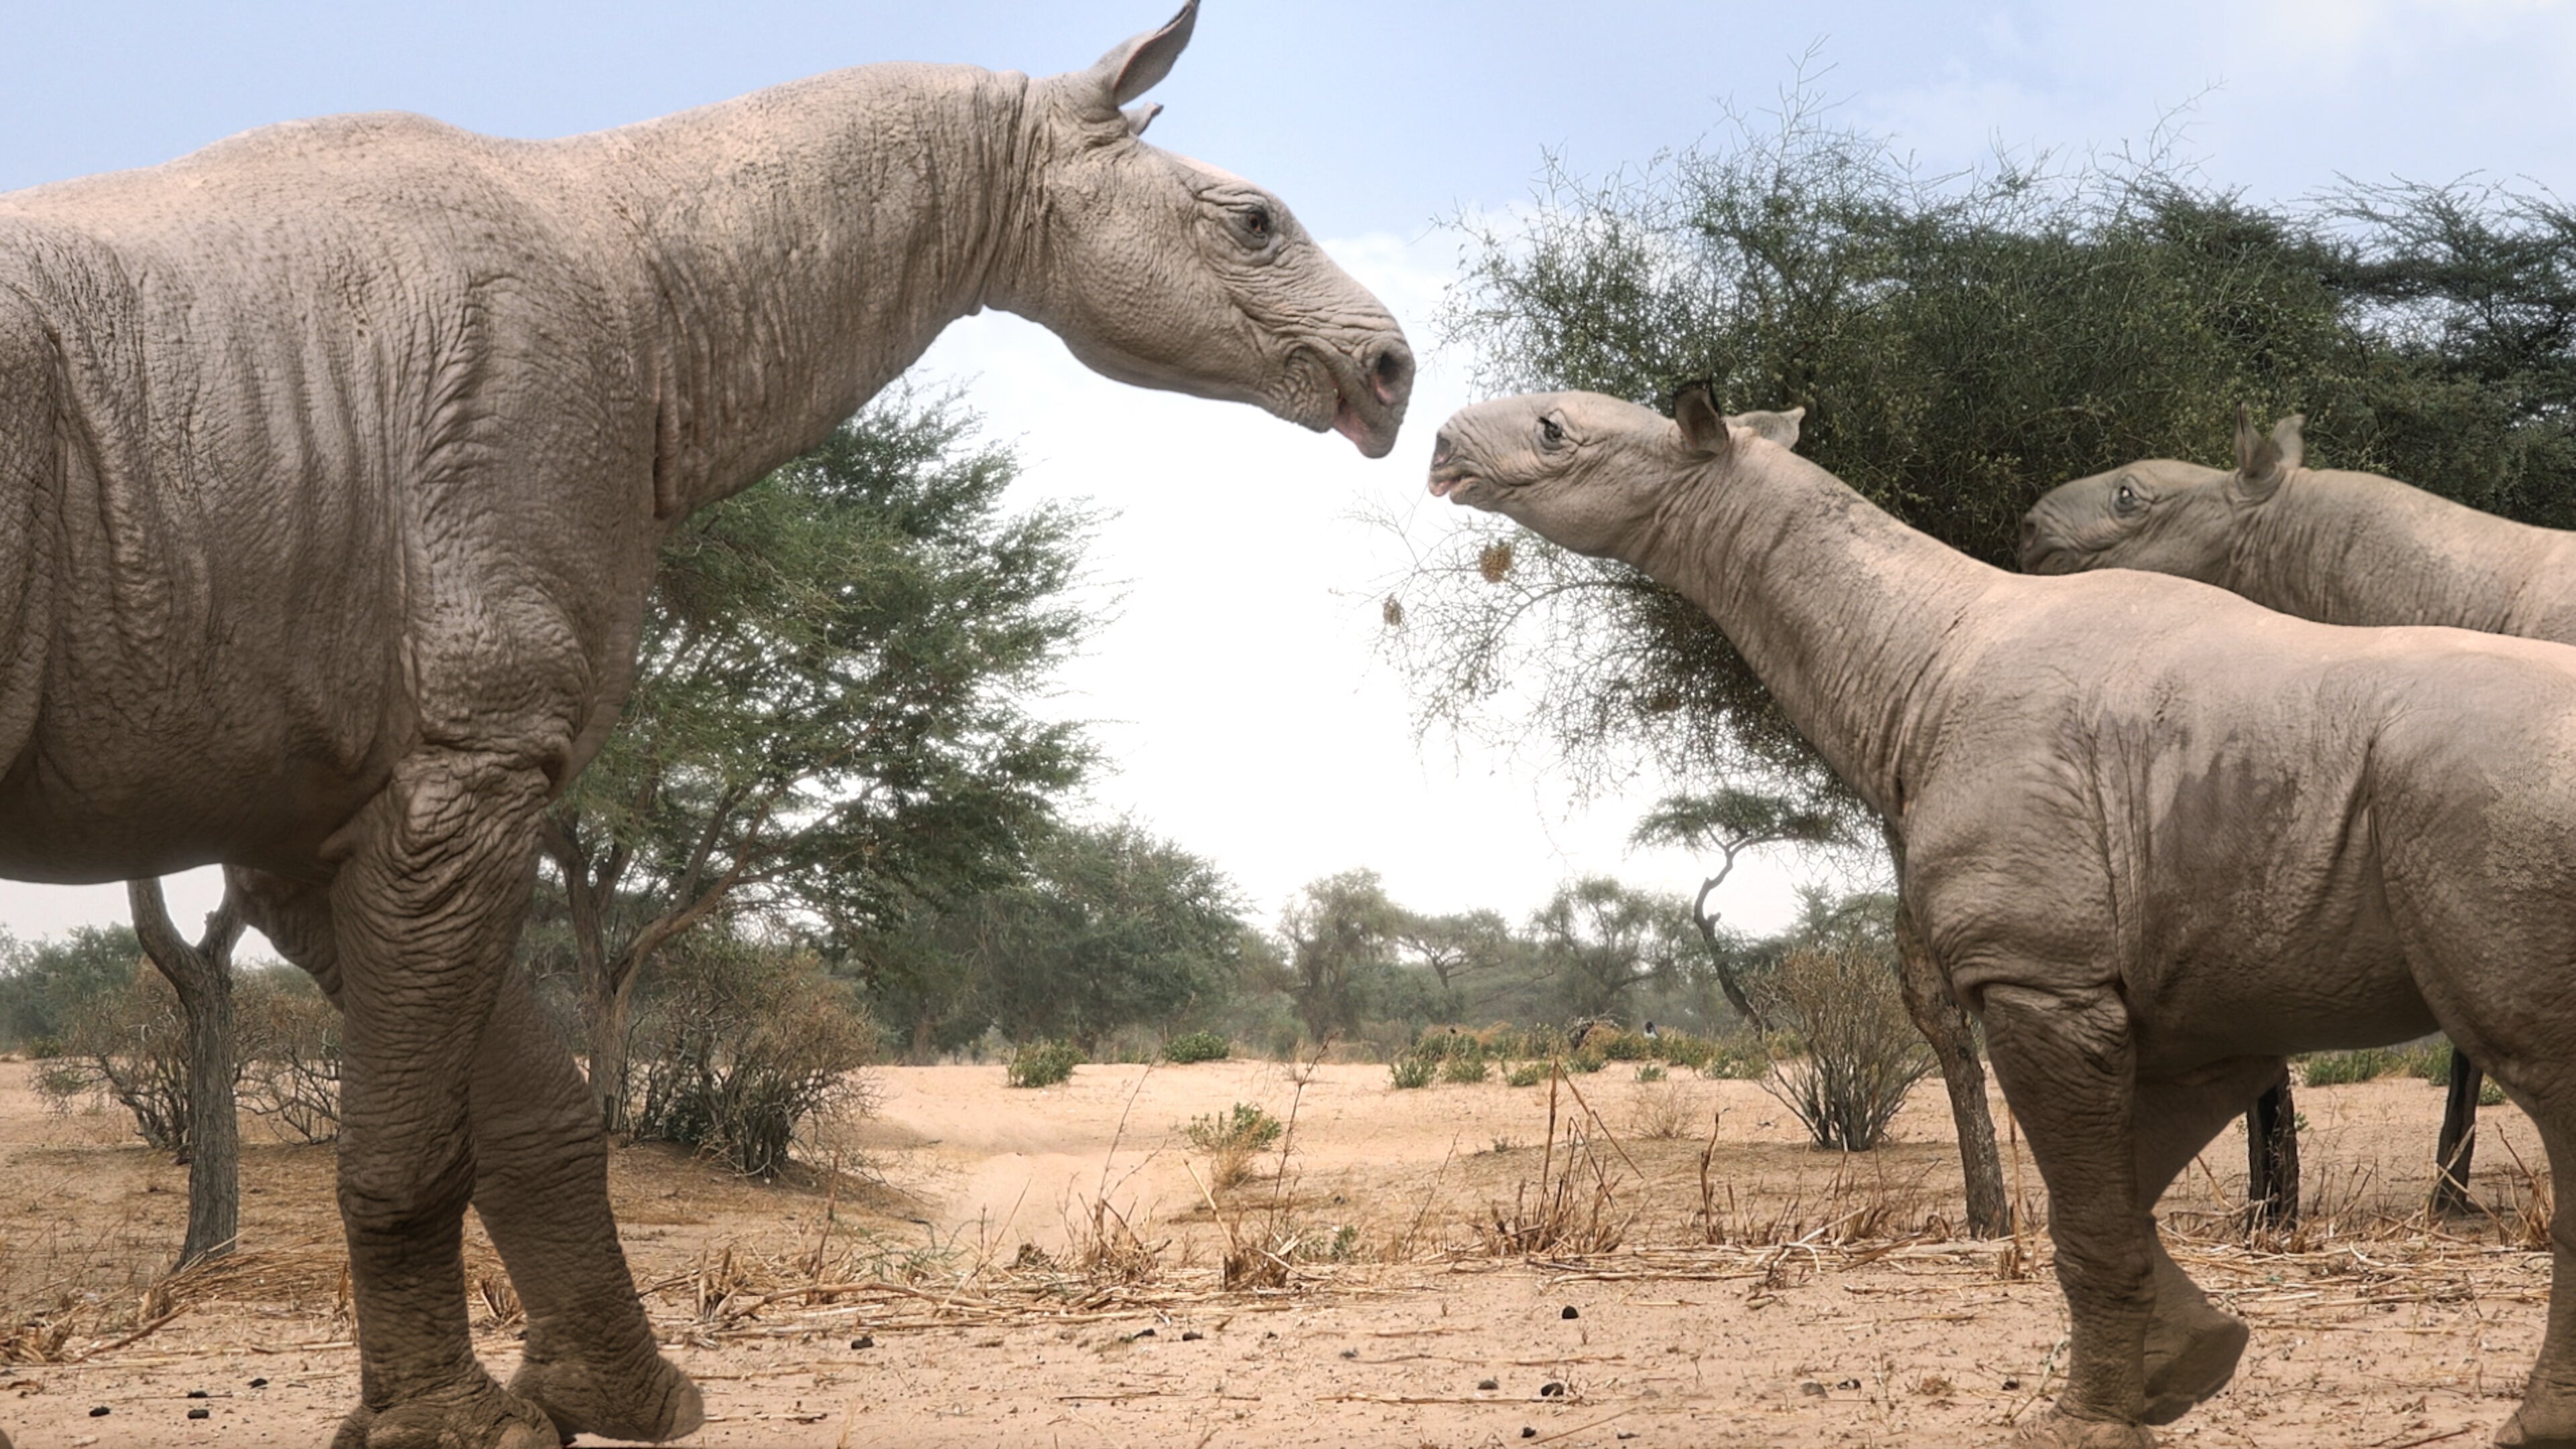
(2186, 1365)
(652, 1403)
(2530, 1430)
(481, 1418)
(2062, 1431)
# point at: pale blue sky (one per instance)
(1236, 690)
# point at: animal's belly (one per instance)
(88, 801)
(2361, 994)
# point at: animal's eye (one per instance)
(1257, 223)
(1551, 430)
(2125, 498)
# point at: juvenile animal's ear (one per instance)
(1781, 428)
(2263, 462)
(1703, 426)
(1139, 65)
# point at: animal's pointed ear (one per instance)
(1139, 65)
(1703, 426)
(1781, 428)
(2264, 462)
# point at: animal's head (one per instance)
(2159, 515)
(1162, 271)
(1588, 472)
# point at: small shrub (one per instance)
(1042, 1063)
(1247, 1127)
(2339, 1069)
(1650, 1072)
(1662, 1113)
(742, 1045)
(2490, 1094)
(1737, 1061)
(1465, 1068)
(1862, 1051)
(1621, 1046)
(1681, 1049)
(291, 1037)
(1197, 1046)
(1527, 1074)
(1413, 1070)
(1586, 1061)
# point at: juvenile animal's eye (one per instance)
(1551, 430)
(2125, 499)
(1257, 224)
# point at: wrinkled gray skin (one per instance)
(2337, 547)
(335, 458)
(2159, 836)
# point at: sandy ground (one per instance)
(1838, 1307)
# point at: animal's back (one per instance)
(348, 434)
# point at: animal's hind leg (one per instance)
(2192, 1347)
(2546, 1418)
(2066, 1062)
(541, 1188)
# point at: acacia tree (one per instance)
(1110, 927)
(1341, 933)
(1598, 941)
(831, 711)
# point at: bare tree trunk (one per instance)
(611, 1007)
(2459, 1140)
(2272, 1158)
(1944, 1023)
(202, 976)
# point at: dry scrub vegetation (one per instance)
(1236, 1252)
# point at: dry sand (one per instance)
(1878, 1328)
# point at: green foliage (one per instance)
(1650, 1072)
(2429, 1059)
(1341, 948)
(1599, 941)
(2490, 1093)
(1246, 1128)
(1468, 1067)
(1527, 1074)
(1042, 1063)
(1197, 1046)
(741, 1046)
(1586, 1062)
(1681, 1049)
(1413, 1070)
(832, 716)
(44, 988)
(1737, 1061)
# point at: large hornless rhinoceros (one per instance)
(334, 458)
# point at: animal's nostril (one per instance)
(1392, 373)
(1440, 448)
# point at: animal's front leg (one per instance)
(2065, 1062)
(423, 912)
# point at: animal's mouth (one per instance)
(1453, 481)
(2049, 558)
(1371, 385)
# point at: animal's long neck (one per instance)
(1843, 611)
(807, 242)
(2354, 548)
